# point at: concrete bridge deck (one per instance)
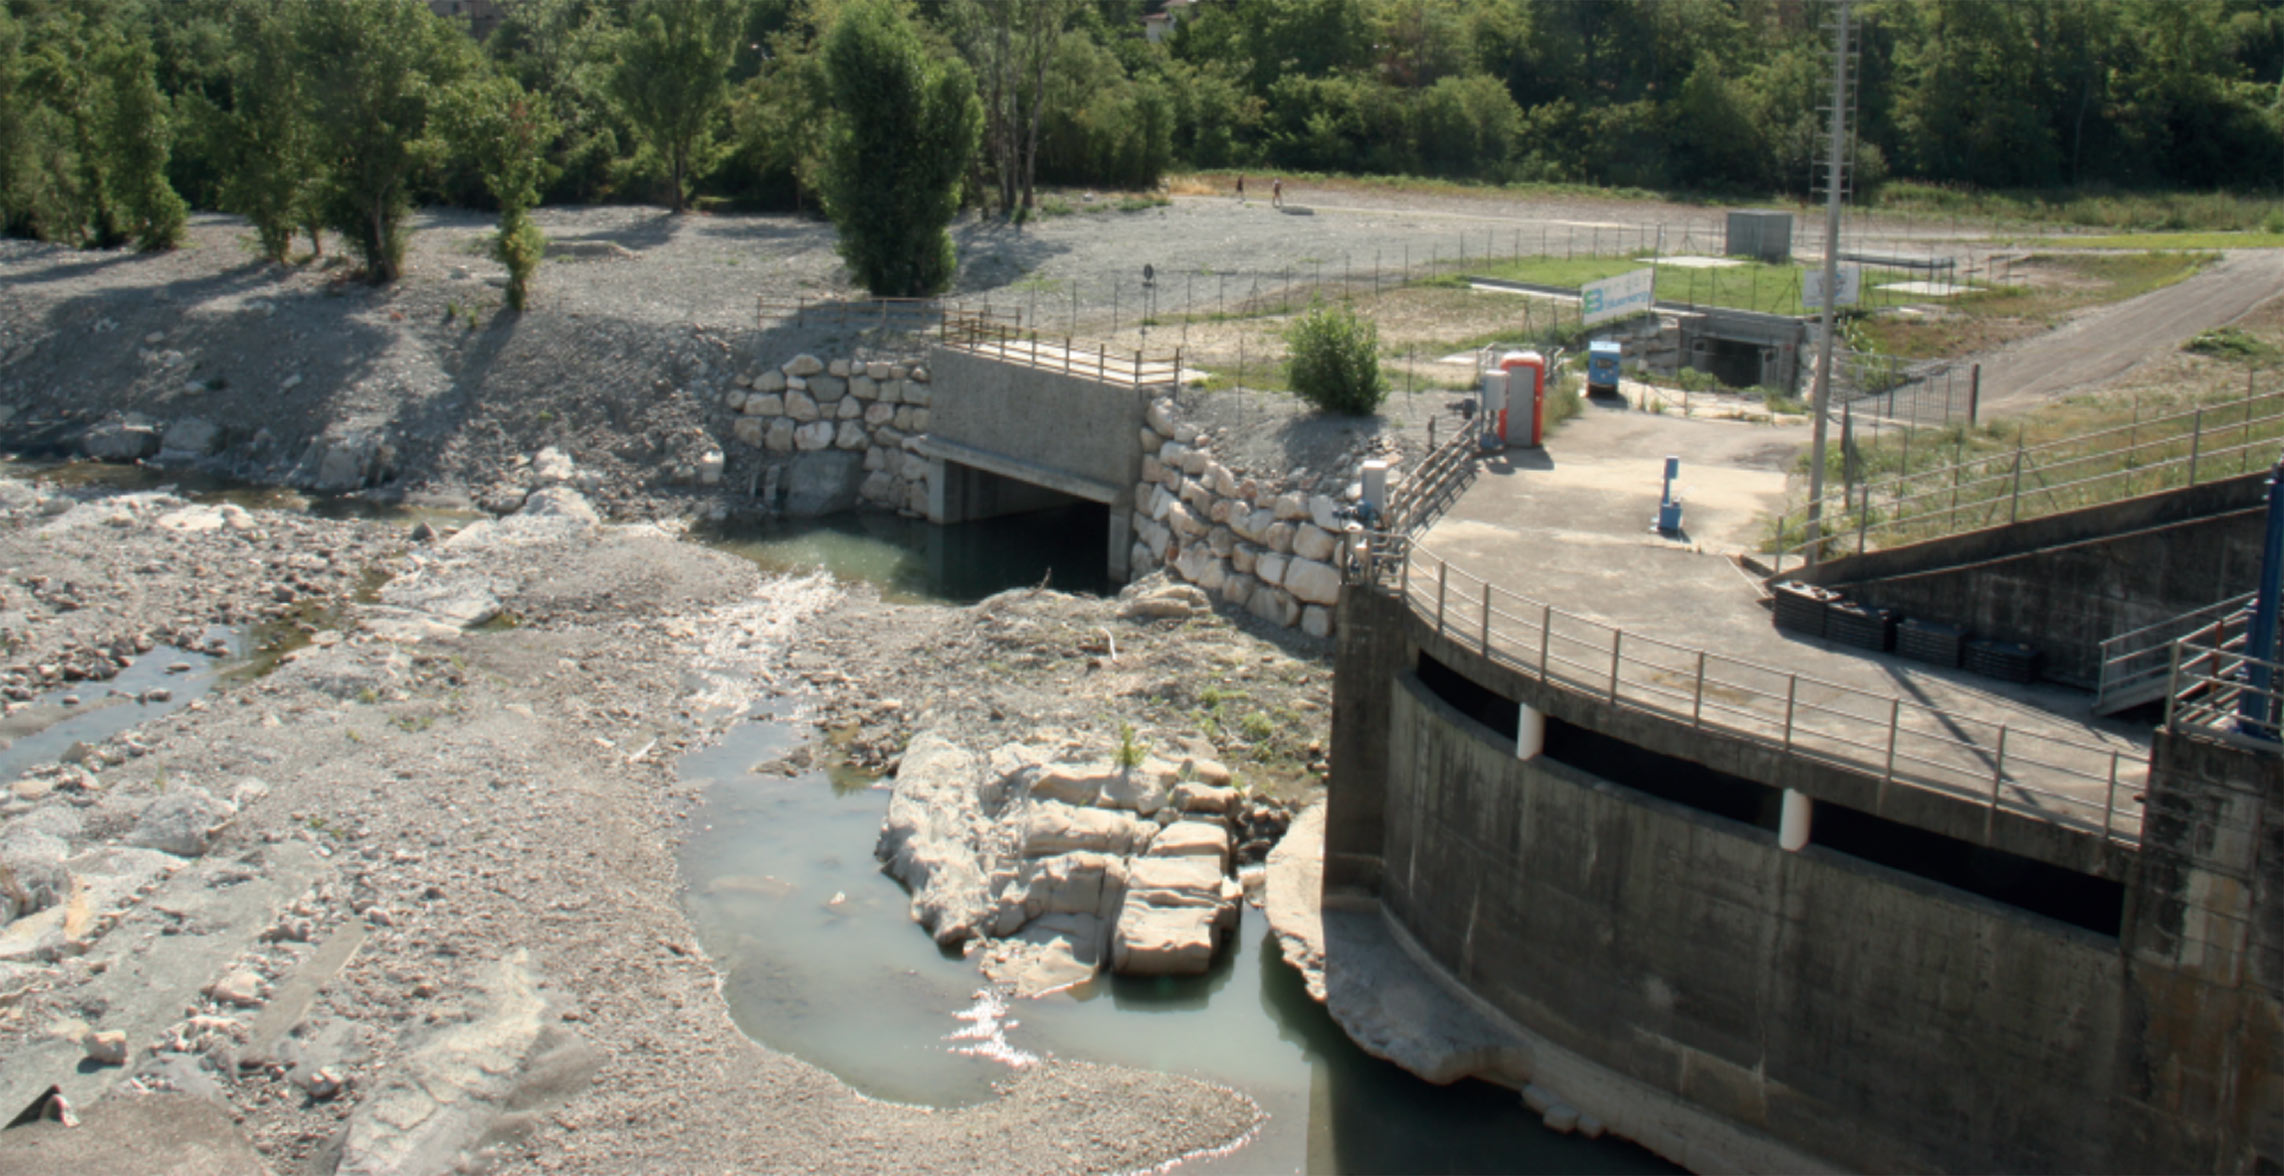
(1562, 539)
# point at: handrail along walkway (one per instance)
(2001, 766)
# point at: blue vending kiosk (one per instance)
(1602, 356)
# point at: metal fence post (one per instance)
(1697, 700)
(2196, 443)
(1998, 777)
(2014, 500)
(2173, 687)
(1617, 640)
(1486, 620)
(1442, 585)
(1894, 731)
(1791, 696)
(1546, 637)
(2109, 808)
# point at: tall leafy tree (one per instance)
(904, 128)
(266, 138)
(136, 134)
(504, 131)
(671, 80)
(376, 69)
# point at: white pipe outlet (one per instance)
(1792, 825)
(1530, 731)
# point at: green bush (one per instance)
(1335, 362)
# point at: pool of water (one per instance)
(214, 491)
(824, 962)
(42, 731)
(1066, 547)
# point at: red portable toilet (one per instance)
(1536, 365)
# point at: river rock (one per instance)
(1289, 508)
(1313, 582)
(767, 404)
(1313, 542)
(1173, 602)
(779, 439)
(813, 436)
(1324, 512)
(803, 365)
(933, 838)
(772, 380)
(827, 389)
(35, 861)
(552, 467)
(1160, 416)
(749, 431)
(1052, 828)
(105, 1047)
(1206, 839)
(851, 435)
(801, 406)
(1080, 883)
(1197, 796)
(1276, 606)
(1079, 784)
(1316, 621)
(184, 823)
(1162, 941)
(1270, 567)
(1201, 567)
(1142, 788)
(129, 440)
(191, 437)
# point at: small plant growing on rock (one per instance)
(1336, 360)
(1130, 752)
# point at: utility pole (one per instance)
(1822, 396)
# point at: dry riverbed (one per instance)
(409, 900)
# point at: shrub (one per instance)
(1335, 360)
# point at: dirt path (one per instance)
(2103, 345)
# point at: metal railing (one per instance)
(1430, 486)
(1004, 341)
(2226, 694)
(2205, 444)
(2000, 766)
(912, 315)
(2135, 665)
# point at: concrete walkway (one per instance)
(1570, 526)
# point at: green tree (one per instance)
(376, 69)
(265, 138)
(501, 130)
(671, 81)
(136, 134)
(904, 128)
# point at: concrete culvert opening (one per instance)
(1055, 528)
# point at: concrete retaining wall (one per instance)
(1861, 1014)
(2063, 583)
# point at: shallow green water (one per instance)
(1066, 547)
(824, 962)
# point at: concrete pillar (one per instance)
(1530, 731)
(943, 498)
(1121, 541)
(1792, 825)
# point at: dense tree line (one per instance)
(307, 115)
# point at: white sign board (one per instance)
(1616, 297)
(1812, 287)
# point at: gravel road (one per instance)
(2106, 343)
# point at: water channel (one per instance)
(825, 963)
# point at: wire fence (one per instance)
(2000, 766)
(2208, 443)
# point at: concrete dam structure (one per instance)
(1765, 955)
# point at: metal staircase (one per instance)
(2136, 664)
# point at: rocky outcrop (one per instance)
(122, 440)
(1062, 867)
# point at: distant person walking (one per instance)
(1241, 189)
(1277, 192)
